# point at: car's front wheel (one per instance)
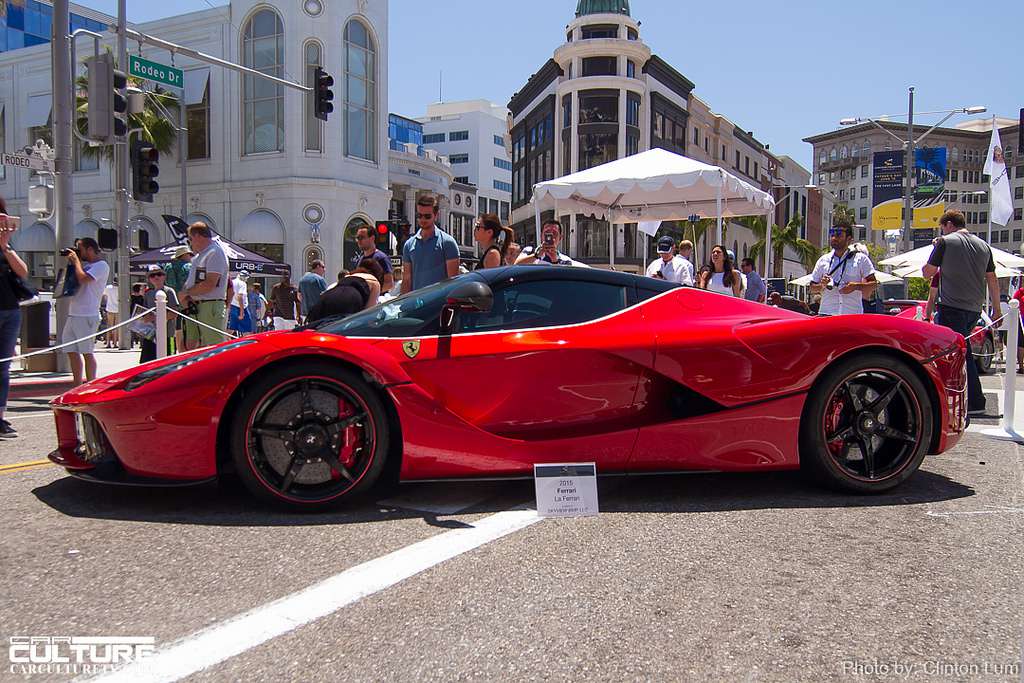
(309, 435)
(866, 426)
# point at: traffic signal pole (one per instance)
(124, 235)
(63, 117)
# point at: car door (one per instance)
(554, 359)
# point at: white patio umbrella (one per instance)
(918, 257)
(651, 187)
(879, 275)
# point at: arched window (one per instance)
(956, 154)
(313, 55)
(833, 155)
(263, 101)
(360, 93)
(845, 152)
(866, 148)
(822, 158)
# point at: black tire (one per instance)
(309, 436)
(866, 426)
(983, 359)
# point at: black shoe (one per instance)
(7, 431)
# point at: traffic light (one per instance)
(382, 235)
(323, 95)
(145, 160)
(107, 99)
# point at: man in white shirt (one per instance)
(110, 308)
(91, 271)
(669, 266)
(842, 275)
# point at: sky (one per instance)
(782, 70)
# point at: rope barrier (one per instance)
(50, 349)
(209, 327)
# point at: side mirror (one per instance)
(471, 296)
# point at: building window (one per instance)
(314, 127)
(864, 192)
(263, 101)
(632, 110)
(1017, 214)
(360, 92)
(567, 111)
(864, 171)
(197, 120)
(833, 155)
(83, 161)
(433, 138)
(597, 149)
(755, 170)
(746, 165)
(822, 158)
(696, 135)
(502, 186)
(723, 153)
(1018, 192)
(459, 158)
(600, 66)
(499, 140)
(600, 31)
(632, 144)
(464, 179)
(598, 108)
(631, 34)
(737, 164)
(593, 237)
(954, 175)
(1017, 235)
(630, 69)
(863, 213)
(501, 163)
(822, 178)
(458, 135)
(1004, 235)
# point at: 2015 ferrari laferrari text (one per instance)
(488, 373)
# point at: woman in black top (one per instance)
(354, 292)
(10, 313)
(488, 232)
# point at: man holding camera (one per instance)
(92, 272)
(206, 287)
(841, 275)
(551, 237)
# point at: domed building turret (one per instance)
(602, 96)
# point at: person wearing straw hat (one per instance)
(177, 274)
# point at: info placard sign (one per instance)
(566, 489)
(156, 72)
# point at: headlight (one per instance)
(156, 373)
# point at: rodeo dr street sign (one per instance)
(156, 72)
(24, 161)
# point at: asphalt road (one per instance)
(695, 577)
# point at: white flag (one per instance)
(1000, 199)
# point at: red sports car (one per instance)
(488, 373)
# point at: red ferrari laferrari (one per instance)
(488, 373)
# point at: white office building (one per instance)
(472, 135)
(261, 170)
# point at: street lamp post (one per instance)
(908, 146)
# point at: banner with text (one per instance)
(887, 190)
(929, 191)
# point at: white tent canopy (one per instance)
(879, 276)
(915, 271)
(655, 185)
(918, 257)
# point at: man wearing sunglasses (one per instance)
(843, 275)
(432, 254)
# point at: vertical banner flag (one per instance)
(178, 228)
(929, 193)
(1000, 199)
(887, 190)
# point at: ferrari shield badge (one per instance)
(411, 348)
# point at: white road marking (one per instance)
(994, 511)
(238, 634)
(41, 413)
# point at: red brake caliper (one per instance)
(833, 414)
(349, 438)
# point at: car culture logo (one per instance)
(411, 348)
(76, 654)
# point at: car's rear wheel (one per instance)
(985, 355)
(309, 435)
(866, 426)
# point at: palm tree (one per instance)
(842, 211)
(788, 236)
(156, 129)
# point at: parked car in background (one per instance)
(983, 344)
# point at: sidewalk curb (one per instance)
(31, 388)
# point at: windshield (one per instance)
(411, 315)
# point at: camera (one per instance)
(549, 239)
(66, 252)
(829, 286)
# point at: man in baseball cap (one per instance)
(669, 266)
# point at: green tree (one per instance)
(842, 211)
(156, 129)
(782, 238)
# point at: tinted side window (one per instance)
(546, 303)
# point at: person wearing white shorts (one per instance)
(83, 328)
(283, 323)
(92, 272)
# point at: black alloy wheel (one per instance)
(309, 435)
(866, 426)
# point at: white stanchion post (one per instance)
(161, 324)
(1006, 429)
(1010, 375)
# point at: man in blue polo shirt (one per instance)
(432, 254)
